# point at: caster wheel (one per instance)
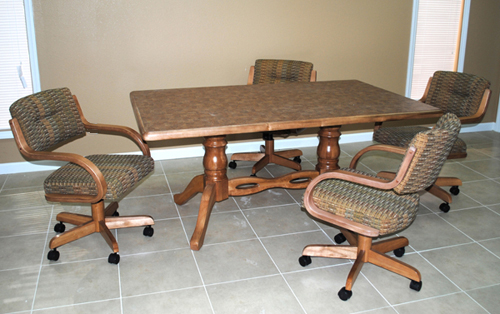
(297, 159)
(116, 214)
(454, 190)
(445, 207)
(59, 227)
(304, 260)
(339, 238)
(253, 175)
(114, 258)
(416, 285)
(344, 294)
(399, 252)
(148, 231)
(232, 164)
(53, 255)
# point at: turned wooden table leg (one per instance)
(215, 187)
(328, 149)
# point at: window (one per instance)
(18, 66)
(438, 41)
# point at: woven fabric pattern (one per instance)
(48, 118)
(281, 71)
(385, 211)
(452, 92)
(121, 173)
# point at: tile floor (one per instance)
(249, 261)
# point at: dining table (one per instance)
(214, 112)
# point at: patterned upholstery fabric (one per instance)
(393, 210)
(281, 71)
(48, 118)
(121, 172)
(454, 92)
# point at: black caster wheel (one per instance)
(445, 207)
(297, 159)
(399, 252)
(339, 238)
(59, 227)
(454, 190)
(232, 164)
(116, 214)
(344, 294)
(148, 231)
(253, 175)
(53, 255)
(114, 258)
(304, 260)
(416, 285)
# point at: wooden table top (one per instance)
(210, 111)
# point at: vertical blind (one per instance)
(15, 70)
(437, 40)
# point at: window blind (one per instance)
(15, 70)
(437, 41)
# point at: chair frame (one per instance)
(268, 154)
(360, 237)
(100, 221)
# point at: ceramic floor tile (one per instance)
(279, 220)
(108, 306)
(192, 301)
(458, 303)
(79, 282)
(182, 165)
(265, 198)
(158, 272)
(21, 199)
(487, 297)
(381, 161)
(462, 171)
(14, 250)
(459, 201)
(179, 181)
(262, 295)
(152, 185)
(485, 191)
(27, 179)
(489, 168)
(285, 250)
(352, 149)
(495, 208)
(234, 261)
(430, 231)
(478, 223)
(469, 266)
(223, 227)
(17, 289)
(317, 290)
(157, 206)
(24, 221)
(487, 149)
(395, 288)
(493, 245)
(192, 206)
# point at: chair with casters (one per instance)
(464, 95)
(365, 207)
(267, 71)
(46, 120)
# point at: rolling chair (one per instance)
(365, 207)
(48, 119)
(276, 72)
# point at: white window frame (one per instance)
(35, 74)
(413, 38)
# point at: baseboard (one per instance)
(198, 151)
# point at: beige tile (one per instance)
(485, 191)
(179, 181)
(27, 179)
(21, 198)
(487, 297)
(158, 272)
(182, 165)
(265, 198)
(17, 289)
(462, 171)
(108, 306)
(493, 245)
(234, 261)
(488, 168)
(193, 301)
(459, 201)
(21, 251)
(279, 220)
(317, 291)
(24, 221)
(79, 282)
(192, 206)
(157, 206)
(261, 295)
(152, 185)
(457, 303)
(469, 266)
(478, 223)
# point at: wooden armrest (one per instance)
(359, 179)
(83, 162)
(250, 75)
(376, 147)
(478, 116)
(114, 129)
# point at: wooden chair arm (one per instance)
(376, 147)
(359, 179)
(314, 76)
(114, 129)
(83, 162)
(250, 75)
